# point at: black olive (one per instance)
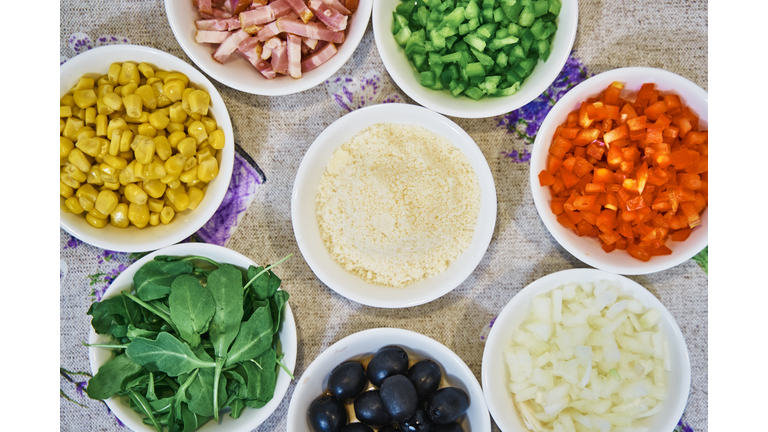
(370, 410)
(356, 427)
(450, 427)
(399, 397)
(447, 405)
(418, 422)
(388, 361)
(326, 414)
(390, 428)
(425, 376)
(347, 380)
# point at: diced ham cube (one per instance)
(229, 45)
(228, 24)
(204, 7)
(310, 43)
(294, 56)
(314, 60)
(280, 58)
(301, 10)
(280, 8)
(260, 15)
(268, 32)
(329, 16)
(314, 30)
(250, 48)
(206, 36)
(336, 4)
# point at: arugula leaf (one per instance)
(133, 332)
(238, 405)
(166, 354)
(108, 310)
(261, 375)
(112, 376)
(143, 404)
(201, 398)
(191, 308)
(254, 337)
(153, 280)
(277, 305)
(192, 421)
(264, 283)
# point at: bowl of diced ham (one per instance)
(269, 47)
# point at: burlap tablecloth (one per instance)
(273, 134)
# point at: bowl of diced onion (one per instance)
(585, 347)
(323, 34)
(409, 78)
(95, 64)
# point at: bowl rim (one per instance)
(216, 189)
(548, 283)
(353, 37)
(486, 107)
(683, 87)
(288, 333)
(382, 337)
(351, 124)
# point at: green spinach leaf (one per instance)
(166, 354)
(112, 376)
(191, 308)
(254, 337)
(277, 305)
(105, 312)
(153, 280)
(200, 395)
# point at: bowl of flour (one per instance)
(393, 206)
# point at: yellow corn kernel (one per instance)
(133, 105)
(155, 170)
(90, 116)
(88, 193)
(135, 194)
(174, 127)
(154, 219)
(65, 111)
(177, 114)
(118, 91)
(79, 112)
(104, 89)
(217, 139)
(138, 171)
(85, 98)
(101, 108)
(197, 130)
(78, 159)
(174, 184)
(153, 80)
(166, 216)
(101, 125)
(108, 173)
(175, 164)
(85, 83)
(129, 72)
(198, 102)
(75, 173)
(204, 151)
(146, 70)
(161, 74)
(116, 124)
(159, 120)
(143, 149)
(65, 190)
(94, 176)
(68, 180)
(97, 214)
(138, 214)
(128, 89)
(161, 132)
(65, 146)
(127, 155)
(119, 216)
(188, 121)
(126, 138)
(154, 188)
(115, 162)
(106, 202)
(113, 73)
(73, 204)
(175, 137)
(190, 163)
(210, 124)
(168, 179)
(163, 147)
(114, 143)
(147, 96)
(173, 89)
(94, 221)
(147, 129)
(178, 199)
(196, 195)
(61, 126)
(176, 76)
(103, 80)
(126, 176)
(71, 126)
(156, 205)
(189, 175)
(143, 118)
(162, 98)
(85, 132)
(67, 100)
(187, 147)
(113, 186)
(89, 146)
(113, 101)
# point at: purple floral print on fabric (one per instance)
(245, 177)
(351, 94)
(81, 42)
(525, 122)
(682, 427)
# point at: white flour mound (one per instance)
(397, 204)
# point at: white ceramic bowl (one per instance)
(407, 77)
(588, 249)
(361, 347)
(239, 74)
(250, 418)
(307, 232)
(495, 374)
(95, 64)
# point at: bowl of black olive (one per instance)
(388, 380)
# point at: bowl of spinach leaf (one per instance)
(183, 324)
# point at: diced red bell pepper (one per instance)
(636, 203)
(608, 248)
(565, 221)
(546, 179)
(596, 149)
(569, 162)
(644, 95)
(607, 221)
(581, 167)
(585, 203)
(620, 132)
(557, 205)
(569, 178)
(586, 136)
(681, 235)
(570, 133)
(610, 237)
(553, 164)
(584, 120)
(638, 252)
(613, 92)
(674, 106)
(690, 181)
(560, 147)
(637, 123)
(654, 111)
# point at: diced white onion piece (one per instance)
(541, 330)
(611, 349)
(559, 426)
(518, 387)
(601, 424)
(613, 325)
(658, 345)
(655, 410)
(635, 322)
(667, 361)
(542, 309)
(527, 394)
(635, 390)
(542, 378)
(554, 408)
(569, 292)
(544, 359)
(584, 420)
(567, 422)
(616, 308)
(650, 318)
(601, 287)
(587, 287)
(635, 306)
(557, 306)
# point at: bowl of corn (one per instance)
(146, 148)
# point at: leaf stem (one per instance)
(143, 404)
(64, 395)
(266, 269)
(285, 369)
(111, 346)
(166, 317)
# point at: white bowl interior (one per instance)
(495, 374)
(588, 249)
(307, 232)
(362, 346)
(406, 76)
(239, 74)
(250, 418)
(95, 63)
